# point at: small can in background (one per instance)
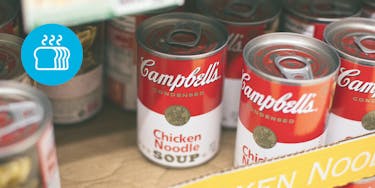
(353, 110)
(364, 183)
(244, 21)
(368, 8)
(121, 69)
(27, 145)
(180, 80)
(311, 17)
(82, 97)
(10, 52)
(287, 89)
(9, 17)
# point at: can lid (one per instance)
(9, 10)
(24, 114)
(10, 64)
(291, 58)
(247, 12)
(353, 38)
(182, 35)
(365, 181)
(323, 10)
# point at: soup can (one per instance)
(27, 145)
(9, 17)
(180, 81)
(244, 20)
(364, 183)
(353, 39)
(311, 17)
(368, 8)
(287, 89)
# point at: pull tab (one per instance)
(304, 73)
(252, 6)
(23, 114)
(337, 8)
(185, 28)
(358, 41)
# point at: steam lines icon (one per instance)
(60, 55)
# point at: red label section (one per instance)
(194, 84)
(355, 91)
(319, 30)
(294, 113)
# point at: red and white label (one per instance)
(311, 29)
(193, 84)
(48, 159)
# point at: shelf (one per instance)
(102, 152)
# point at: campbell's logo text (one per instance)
(195, 78)
(346, 79)
(235, 42)
(304, 105)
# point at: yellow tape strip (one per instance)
(327, 167)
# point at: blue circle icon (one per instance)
(52, 54)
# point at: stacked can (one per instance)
(121, 71)
(11, 67)
(311, 17)
(81, 97)
(180, 78)
(287, 89)
(364, 183)
(353, 39)
(27, 148)
(368, 8)
(244, 20)
(9, 17)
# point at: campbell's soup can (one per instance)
(311, 17)
(287, 89)
(368, 8)
(364, 183)
(244, 20)
(82, 97)
(122, 58)
(27, 145)
(353, 110)
(9, 16)
(10, 52)
(181, 60)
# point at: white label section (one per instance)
(340, 128)
(178, 146)
(231, 101)
(248, 152)
(135, 6)
(129, 86)
(48, 160)
(292, 24)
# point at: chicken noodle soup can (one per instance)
(244, 20)
(27, 145)
(122, 58)
(11, 67)
(180, 79)
(287, 89)
(311, 17)
(354, 40)
(368, 8)
(9, 19)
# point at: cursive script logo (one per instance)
(344, 80)
(303, 105)
(196, 78)
(235, 42)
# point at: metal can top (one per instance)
(10, 64)
(182, 36)
(9, 11)
(241, 12)
(364, 181)
(291, 58)
(370, 3)
(24, 115)
(353, 38)
(323, 10)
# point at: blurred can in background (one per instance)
(353, 39)
(9, 16)
(310, 17)
(82, 97)
(288, 82)
(10, 62)
(121, 70)
(27, 145)
(368, 8)
(244, 20)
